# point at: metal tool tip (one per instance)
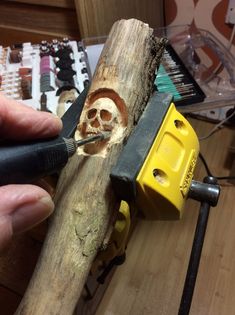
(106, 134)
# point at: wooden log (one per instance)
(85, 202)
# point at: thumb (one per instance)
(22, 207)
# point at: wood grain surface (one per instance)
(51, 3)
(49, 21)
(95, 17)
(11, 35)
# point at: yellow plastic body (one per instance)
(165, 177)
(119, 237)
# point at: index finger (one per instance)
(20, 122)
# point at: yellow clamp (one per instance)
(165, 177)
(119, 237)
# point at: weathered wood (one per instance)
(85, 202)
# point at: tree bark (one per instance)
(85, 202)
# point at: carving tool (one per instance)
(29, 161)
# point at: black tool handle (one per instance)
(194, 261)
(26, 162)
(208, 193)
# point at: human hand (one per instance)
(23, 206)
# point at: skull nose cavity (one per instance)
(91, 113)
(105, 115)
(95, 123)
(107, 127)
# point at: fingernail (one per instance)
(58, 125)
(56, 117)
(48, 203)
(29, 215)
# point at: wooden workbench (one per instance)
(151, 280)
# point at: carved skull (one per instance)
(102, 116)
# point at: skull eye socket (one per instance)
(91, 113)
(105, 115)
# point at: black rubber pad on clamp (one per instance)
(123, 175)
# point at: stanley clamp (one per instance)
(154, 174)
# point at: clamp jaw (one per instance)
(156, 166)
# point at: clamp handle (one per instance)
(208, 193)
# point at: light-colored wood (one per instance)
(51, 3)
(151, 280)
(95, 17)
(85, 203)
